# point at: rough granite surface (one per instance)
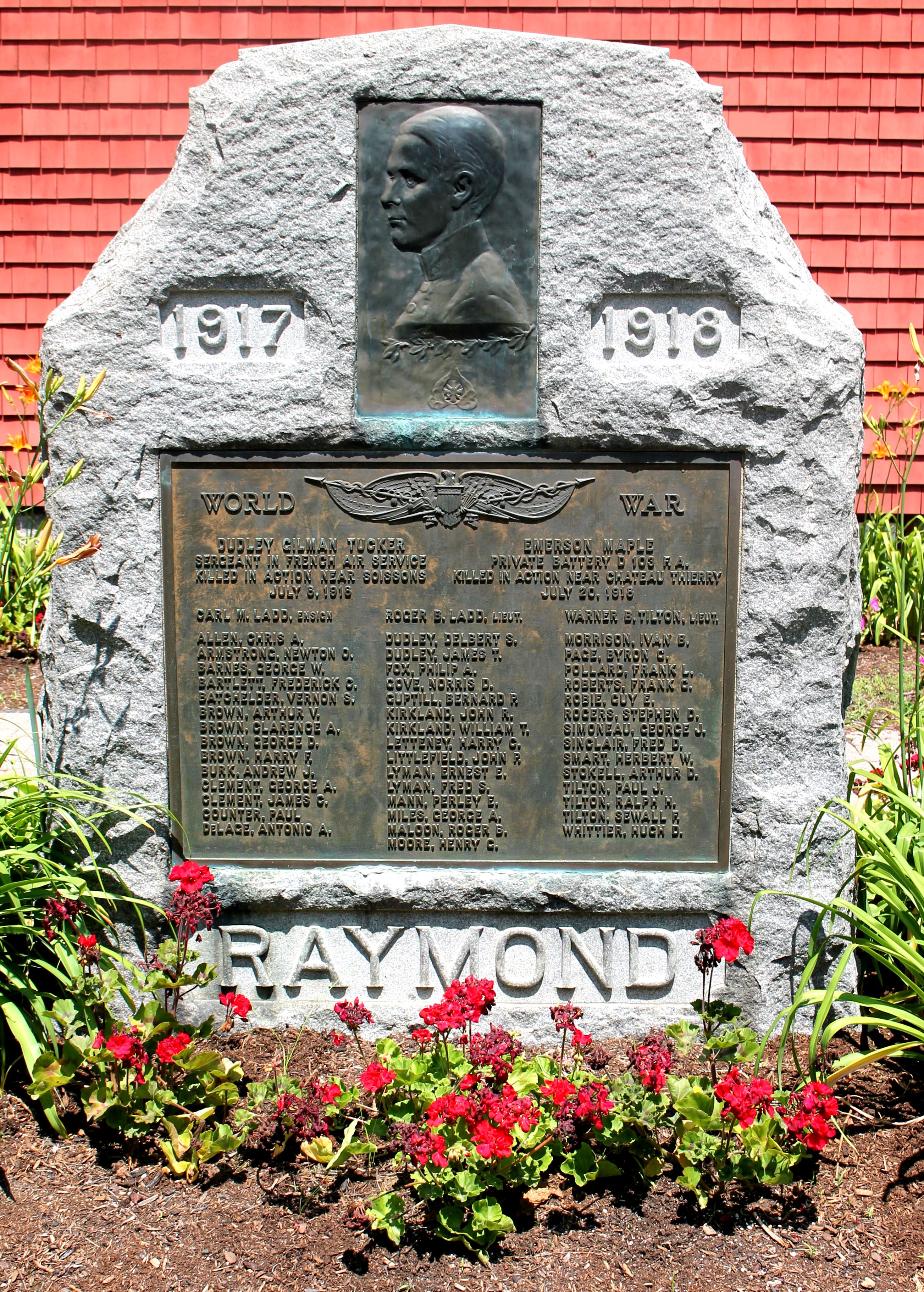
(644, 191)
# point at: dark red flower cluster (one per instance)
(376, 1077)
(591, 1104)
(352, 1014)
(190, 910)
(565, 1016)
(652, 1059)
(191, 876)
(302, 1115)
(724, 940)
(58, 912)
(596, 1057)
(495, 1049)
(422, 1146)
(808, 1115)
(489, 1117)
(744, 1099)
(171, 1046)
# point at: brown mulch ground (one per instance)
(13, 680)
(75, 1215)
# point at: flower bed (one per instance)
(456, 1116)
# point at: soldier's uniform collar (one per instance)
(452, 254)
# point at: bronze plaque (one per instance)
(447, 258)
(451, 659)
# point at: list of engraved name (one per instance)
(521, 691)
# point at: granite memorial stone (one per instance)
(475, 484)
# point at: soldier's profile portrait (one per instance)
(443, 171)
(447, 258)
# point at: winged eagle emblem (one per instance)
(445, 498)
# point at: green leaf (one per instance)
(465, 1185)
(694, 1104)
(386, 1213)
(489, 1222)
(684, 1035)
(691, 1179)
(348, 1148)
(581, 1165)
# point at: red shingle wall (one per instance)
(826, 96)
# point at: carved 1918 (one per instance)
(689, 329)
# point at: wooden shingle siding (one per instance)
(826, 96)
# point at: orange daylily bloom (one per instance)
(89, 548)
(880, 450)
(28, 394)
(905, 391)
(886, 389)
(33, 365)
(18, 442)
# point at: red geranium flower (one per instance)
(491, 1141)
(329, 1091)
(447, 1108)
(376, 1077)
(727, 938)
(235, 1004)
(337, 1039)
(120, 1045)
(808, 1114)
(421, 1036)
(168, 1049)
(558, 1089)
(445, 1015)
(191, 877)
(88, 949)
(127, 1048)
(744, 1099)
(352, 1014)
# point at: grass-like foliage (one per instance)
(891, 541)
(29, 553)
(875, 923)
(55, 888)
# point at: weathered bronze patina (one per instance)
(454, 659)
(447, 270)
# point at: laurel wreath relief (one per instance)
(426, 345)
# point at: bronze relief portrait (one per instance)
(447, 259)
